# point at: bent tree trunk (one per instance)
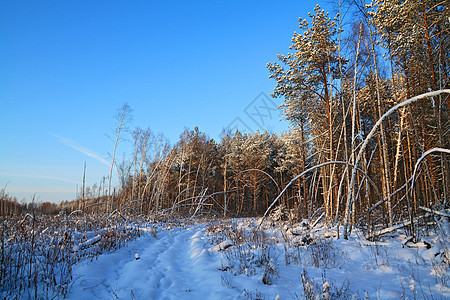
(351, 189)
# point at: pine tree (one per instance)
(305, 81)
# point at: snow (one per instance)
(176, 265)
(194, 262)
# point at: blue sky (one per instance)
(67, 66)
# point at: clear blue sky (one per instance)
(67, 66)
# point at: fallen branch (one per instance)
(116, 212)
(87, 243)
(27, 216)
(392, 195)
(390, 229)
(318, 219)
(75, 212)
(436, 212)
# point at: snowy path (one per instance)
(176, 265)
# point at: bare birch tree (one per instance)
(123, 118)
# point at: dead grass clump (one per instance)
(323, 254)
(253, 251)
(313, 290)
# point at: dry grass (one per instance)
(38, 252)
(253, 252)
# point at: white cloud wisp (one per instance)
(77, 147)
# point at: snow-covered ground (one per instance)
(233, 260)
(174, 265)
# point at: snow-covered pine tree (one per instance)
(305, 82)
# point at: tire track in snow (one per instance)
(176, 265)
